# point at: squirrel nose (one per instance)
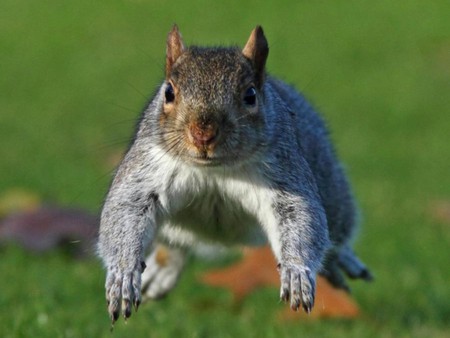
(203, 135)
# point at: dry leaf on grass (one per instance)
(258, 269)
(47, 227)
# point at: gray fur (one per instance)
(270, 173)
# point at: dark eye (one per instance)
(250, 96)
(169, 94)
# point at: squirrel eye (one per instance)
(169, 93)
(250, 96)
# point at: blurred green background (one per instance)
(74, 76)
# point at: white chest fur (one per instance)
(227, 205)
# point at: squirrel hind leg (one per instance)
(164, 267)
(331, 272)
(352, 266)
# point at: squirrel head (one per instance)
(213, 110)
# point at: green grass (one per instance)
(75, 75)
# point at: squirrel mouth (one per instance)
(205, 160)
(203, 156)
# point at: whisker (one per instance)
(137, 90)
(122, 107)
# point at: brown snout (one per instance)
(203, 134)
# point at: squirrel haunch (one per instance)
(226, 154)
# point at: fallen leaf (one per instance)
(258, 269)
(48, 227)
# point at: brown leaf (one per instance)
(258, 269)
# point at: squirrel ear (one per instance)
(256, 50)
(175, 47)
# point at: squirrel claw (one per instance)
(298, 286)
(284, 296)
(123, 292)
(137, 302)
(126, 308)
(114, 314)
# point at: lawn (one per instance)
(74, 77)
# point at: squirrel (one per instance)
(225, 153)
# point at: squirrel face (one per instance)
(213, 109)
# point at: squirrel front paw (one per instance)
(123, 289)
(298, 285)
